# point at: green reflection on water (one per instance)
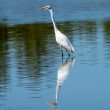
(30, 44)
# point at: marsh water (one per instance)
(33, 74)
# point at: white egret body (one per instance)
(61, 39)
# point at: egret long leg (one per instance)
(67, 52)
(61, 50)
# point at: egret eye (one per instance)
(49, 8)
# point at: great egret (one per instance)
(61, 39)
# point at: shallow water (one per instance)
(32, 72)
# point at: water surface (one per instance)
(27, 11)
(32, 72)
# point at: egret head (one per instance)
(48, 7)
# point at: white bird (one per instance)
(61, 39)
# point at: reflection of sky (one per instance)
(15, 12)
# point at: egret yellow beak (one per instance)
(43, 8)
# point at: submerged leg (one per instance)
(61, 50)
(70, 54)
(67, 52)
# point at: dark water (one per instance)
(32, 73)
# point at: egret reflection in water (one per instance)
(63, 72)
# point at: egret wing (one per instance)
(64, 41)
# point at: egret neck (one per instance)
(51, 13)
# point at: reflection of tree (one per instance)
(107, 30)
(85, 27)
(107, 37)
(3, 32)
(4, 78)
(30, 46)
